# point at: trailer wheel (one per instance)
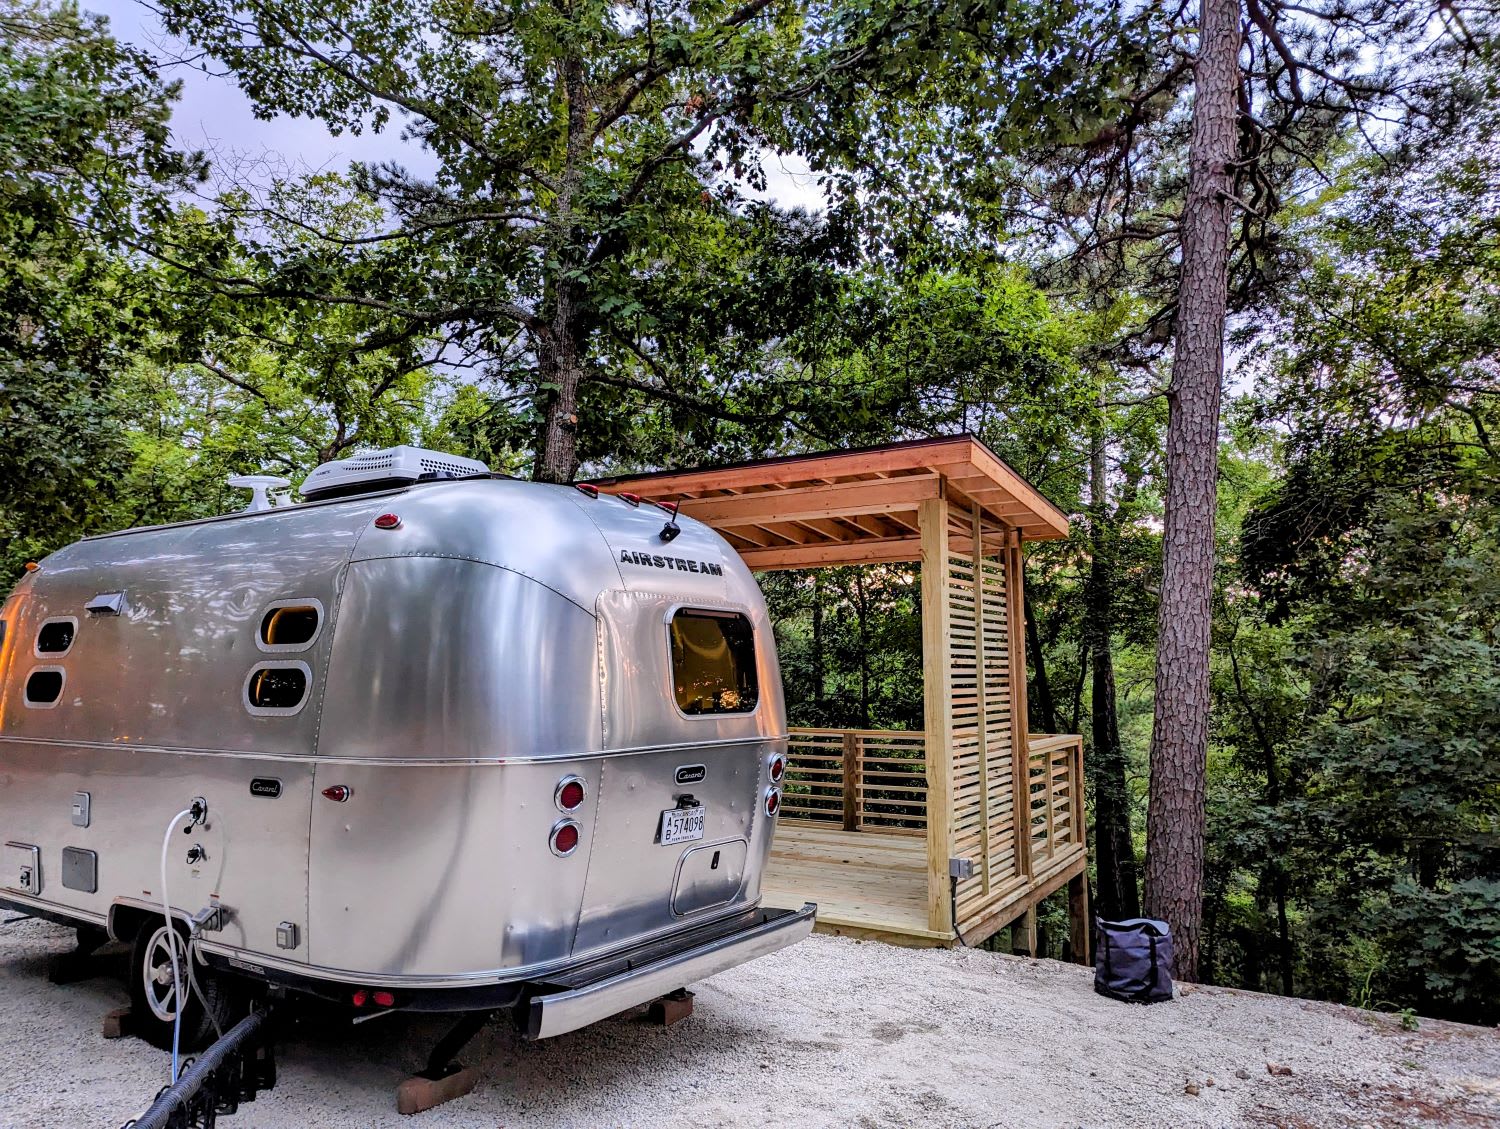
(153, 997)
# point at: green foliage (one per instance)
(1362, 791)
(130, 388)
(850, 643)
(1400, 778)
(85, 153)
(278, 386)
(589, 227)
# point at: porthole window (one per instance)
(713, 662)
(44, 687)
(277, 689)
(290, 625)
(56, 636)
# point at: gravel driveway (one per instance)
(832, 1032)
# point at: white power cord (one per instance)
(178, 988)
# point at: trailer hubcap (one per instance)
(161, 993)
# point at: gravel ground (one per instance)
(832, 1032)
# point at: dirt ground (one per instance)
(830, 1033)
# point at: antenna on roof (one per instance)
(260, 487)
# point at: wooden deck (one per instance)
(854, 838)
(866, 883)
(873, 885)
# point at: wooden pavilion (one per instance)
(960, 829)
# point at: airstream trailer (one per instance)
(436, 740)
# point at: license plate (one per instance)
(682, 825)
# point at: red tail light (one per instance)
(360, 998)
(570, 793)
(339, 793)
(387, 521)
(383, 999)
(564, 838)
(633, 499)
(773, 801)
(778, 769)
(587, 488)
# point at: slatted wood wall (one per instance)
(983, 734)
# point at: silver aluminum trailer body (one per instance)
(393, 826)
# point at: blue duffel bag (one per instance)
(1133, 961)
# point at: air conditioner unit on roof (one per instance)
(367, 471)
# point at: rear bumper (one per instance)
(593, 992)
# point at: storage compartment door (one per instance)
(709, 876)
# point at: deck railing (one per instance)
(875, 780)
(861, 779)
(1055, 770)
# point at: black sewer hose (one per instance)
(174, 1106)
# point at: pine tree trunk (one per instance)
(1116, 895)
(1179, 739)
(1041, 686)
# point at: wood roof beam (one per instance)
(864, 551)
(843, 499)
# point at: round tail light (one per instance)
(773, 801)
(778, 768)
(564, 840)
(569, 794)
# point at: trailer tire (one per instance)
(152, 997)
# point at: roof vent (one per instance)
(368, 471)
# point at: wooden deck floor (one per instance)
(866, 883)
(874, 884)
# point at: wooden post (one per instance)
(1023, 933)
(1047, 795)
(1079, 933)
(1020, 736)
(937, 709)
(981, 718)
(851, 780)
(1015, 587)
(1079, 832)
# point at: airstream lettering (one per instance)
(709, 567)
(433, 736)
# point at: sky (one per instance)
(214, 116)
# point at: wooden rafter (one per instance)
(858, 499)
